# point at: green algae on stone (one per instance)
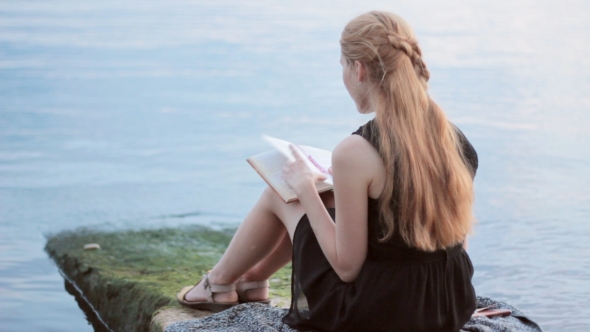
(137, 272)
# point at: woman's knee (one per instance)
(274, 203)
(269, 196)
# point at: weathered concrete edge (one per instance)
(108, 295)
(121, 301)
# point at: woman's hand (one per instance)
(298, 175)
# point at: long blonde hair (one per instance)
(428, 192)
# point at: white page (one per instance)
(281, 146)
(322, 157)
(272, 163)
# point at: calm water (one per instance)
(140, 114)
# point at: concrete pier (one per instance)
(132, 279)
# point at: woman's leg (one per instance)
(271, 263)
(267, 267)
(258, 240)
(283, 253)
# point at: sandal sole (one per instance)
(209, 306)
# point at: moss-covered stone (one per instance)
(135, 273)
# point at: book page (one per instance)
(323, 159)
(270, 166)
(317, 160)
(281, 146)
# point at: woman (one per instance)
(384, 251)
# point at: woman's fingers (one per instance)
(296, 153)
(298, 170)
(319, 177)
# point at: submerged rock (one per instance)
(137, 274)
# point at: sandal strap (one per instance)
(248, 285)
(215, 288)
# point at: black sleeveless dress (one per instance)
(399, 288)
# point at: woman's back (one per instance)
(398, 288)
(409, 271)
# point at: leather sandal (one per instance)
(211, 289)
(242, 288)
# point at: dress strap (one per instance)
(369, 132)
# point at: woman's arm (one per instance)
(344, 243)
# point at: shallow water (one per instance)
(141, 114)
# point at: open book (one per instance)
(270, 164)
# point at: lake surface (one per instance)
(140, 114)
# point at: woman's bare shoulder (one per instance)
(357, 153)
(356, 157)
(353, 149)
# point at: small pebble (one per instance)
(91, 246)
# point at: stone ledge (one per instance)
(135, 275)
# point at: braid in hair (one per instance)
(410, 47)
